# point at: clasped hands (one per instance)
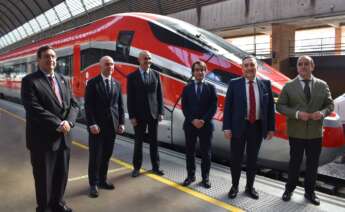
(198, 123)
(310, 116)
(64, 127)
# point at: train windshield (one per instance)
(207, 39)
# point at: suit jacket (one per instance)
(144, 100)
(203, 108)
(44, 112)
(99, 107)
(235, 110)
(292, 99)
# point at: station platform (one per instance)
(147, 192)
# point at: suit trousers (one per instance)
(205, 136)
(50, 171)
(151, 124)
(312, 148)
(251, 139)
(100, 151)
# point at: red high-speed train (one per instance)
(174, 45)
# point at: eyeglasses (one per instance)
(147, 58)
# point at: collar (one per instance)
(142, 70)
(104, 77)
(48, 75)
(202, 81)
(254, 80)
(301, 79)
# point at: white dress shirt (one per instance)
(196, 85)
(257, 98)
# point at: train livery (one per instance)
(174, 45)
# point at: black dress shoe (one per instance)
(106, 185)
(252, 193)
(188, 181)
(135, 173)
(312, 198)
(206, 184)
(158, 172)
(62, 208)
(233, 192)
(287, 196)
(93, 193)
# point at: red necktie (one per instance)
(52, 83)
(252, 104)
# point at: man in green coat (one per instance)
(305, 101)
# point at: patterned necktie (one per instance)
(52, 84)
(198, 90)
(252, 103)
(307, 90)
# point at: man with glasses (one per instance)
(305, 101)
(51, 112)
(145, 109)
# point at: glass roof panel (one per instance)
(51, 16)
(62, 11)
(35, 25)
(28, 29)
(89, 4)
(75, 6)
(42, 21)
(22, 31)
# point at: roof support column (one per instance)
(283, 37)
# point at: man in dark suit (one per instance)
(51, 111)
(104, 116)
(248, 118)
(145, 109)
(305, 101)
(199, 104)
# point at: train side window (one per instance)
(123, 45)
(91, 56)
(63, 65)
(220, 76)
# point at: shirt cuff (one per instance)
(94, 125)
(297, 112)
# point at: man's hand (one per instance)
(270, 135)
(316, 115)
(94, 129)
(197, 123)
(303, 116)
(227, 134)
(121, 129)
(134, 122)
(64, 127)
(160, 118)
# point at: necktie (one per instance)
(107, 87)
(307, 90)
(146, 76)
(52, 84)
(198, 90)
(252, 104)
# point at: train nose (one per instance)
(333, 131)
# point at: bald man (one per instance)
(305, 101)
(105, 117)
(145, 109)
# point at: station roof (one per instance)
(22, 18)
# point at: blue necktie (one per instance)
(198, 90)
